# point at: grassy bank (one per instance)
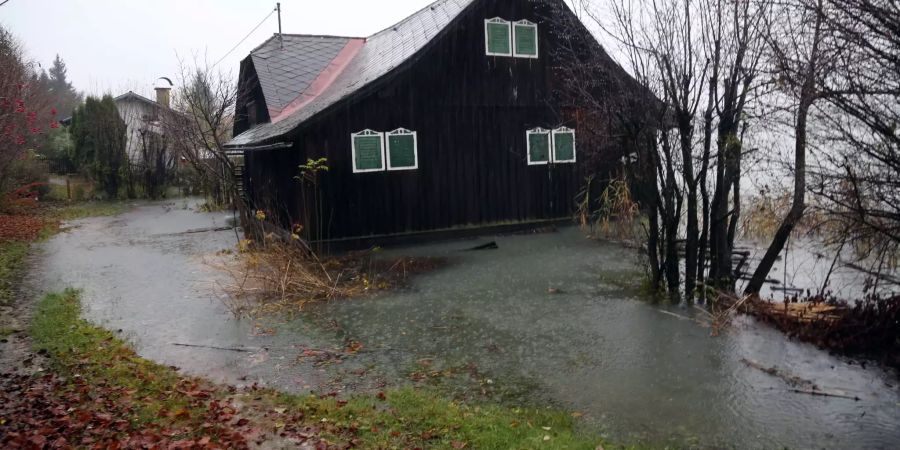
(11, 256)
(151, 401)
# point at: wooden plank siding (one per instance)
(471, 112)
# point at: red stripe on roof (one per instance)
(323, 80)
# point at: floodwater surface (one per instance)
(546, 319)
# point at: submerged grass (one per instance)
(81, 210)
(403, 418)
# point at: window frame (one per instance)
(537, 47)
(387, 148)
(367, 133)
(487, 35)
(543, 131)
(564, 130)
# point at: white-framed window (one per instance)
(538, 146)
(498, 37)
(368, 151)
(563, 145)
(525, 39)
(402, 149)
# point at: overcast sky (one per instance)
(115, 45)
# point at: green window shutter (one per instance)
(526, 39)
(402, 146)
(368, 151)
(538, 146)
(563, 145)
(497, 37)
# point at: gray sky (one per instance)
(120, 45)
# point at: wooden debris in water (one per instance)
(803, 312)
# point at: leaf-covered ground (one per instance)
(97, 393)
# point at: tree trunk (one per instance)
(649, 191)
(692, 234)
(799, 201)
(670, 219)
(736, 210)
(704, 190)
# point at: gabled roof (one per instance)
(130, 95)
(356, 65)
(286, 71)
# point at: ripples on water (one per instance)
(592, 347)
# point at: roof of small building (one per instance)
(312, 73)
(131, 95)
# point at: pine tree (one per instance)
(66, 98)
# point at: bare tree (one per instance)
(157, 161)
(803, 54)
(205, 102)
(734, 42)
(623, 126)
(856, 182)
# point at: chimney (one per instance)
(162, 96)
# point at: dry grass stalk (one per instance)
(278, 276)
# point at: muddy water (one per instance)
(545, 319)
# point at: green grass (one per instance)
(402, 418)
(411, 418)
(82, 210)
(100, 359)
(12, 255)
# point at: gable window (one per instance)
(498, 37)
(402, 150)
(525, 39)
(538, 146)
(368, 151)
(563, 145)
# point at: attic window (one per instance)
(526, 39)
(538, 146)
(368, 151)
(497, 37)
(563, 145)
(402, 150)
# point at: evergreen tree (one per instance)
(66, 98)
(99, 136)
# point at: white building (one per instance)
(142, 116)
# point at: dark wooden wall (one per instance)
(471, 112)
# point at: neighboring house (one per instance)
(142, 115)
(449, 120)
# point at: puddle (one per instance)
(542, 320)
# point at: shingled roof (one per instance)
(285, 72)
(312, 73)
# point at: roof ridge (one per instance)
(275, 36)
(409, 17)
(131, 93)
(322, 36)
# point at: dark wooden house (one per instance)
(452, 119)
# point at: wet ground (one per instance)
(545, 319)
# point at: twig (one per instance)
(227, 349)
(824, 393)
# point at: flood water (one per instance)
(546, 319)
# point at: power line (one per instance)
(4, 2)
(242, 40)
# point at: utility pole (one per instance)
(280, 36)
